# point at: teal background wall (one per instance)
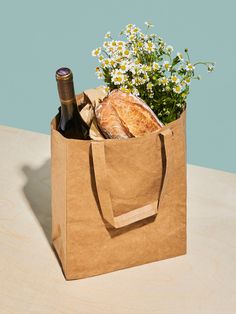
(37, 37)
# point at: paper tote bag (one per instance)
(118, 203)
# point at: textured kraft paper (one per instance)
(118, 203)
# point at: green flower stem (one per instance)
(204, 63)
(106, 53)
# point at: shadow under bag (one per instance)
(118, 203)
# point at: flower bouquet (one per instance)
(143, 64)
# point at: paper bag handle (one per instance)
(102, 185)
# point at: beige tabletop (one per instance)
(31, 280)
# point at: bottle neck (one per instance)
(67, 112)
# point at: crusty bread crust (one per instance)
(122, 115)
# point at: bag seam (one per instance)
(66, 149)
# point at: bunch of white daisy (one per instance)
(144, 65)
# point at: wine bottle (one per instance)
(71, 123)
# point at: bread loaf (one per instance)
(121, 115)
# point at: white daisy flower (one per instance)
(110, 50)
(180, 56)
(139, 69)
(135, 50)
(118, 78)
(135, 30)
(107, 89)
(135, 92)
(146, 68)
(131, 37)
(162, 44)
(140, 44)
(96, 52)
(107, 35)
(120, 43)
(99, 72)
(177, 89)
(169, 49)
(134, 68)
(143, 36)
(116, 72)
(113, 43)
(149, 47)
(149, 24)
(117, 59)
(166, 65)
(187, 80)
(153, 36)
(100, 75)
(137, 62)
(105, 63)
(124, 66)
(128, 29)
(136, 81)
(126, 53)
(106, 44)
(145, 78)
(119, 49)
(125, 89)
(210, 67)
(112, 62)
(189, 67)
(174, 79)
(155, 66)
(129, 26)
(163, 81)
(101, 58)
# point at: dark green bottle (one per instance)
(71, 123)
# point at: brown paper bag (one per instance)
(118, 203)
